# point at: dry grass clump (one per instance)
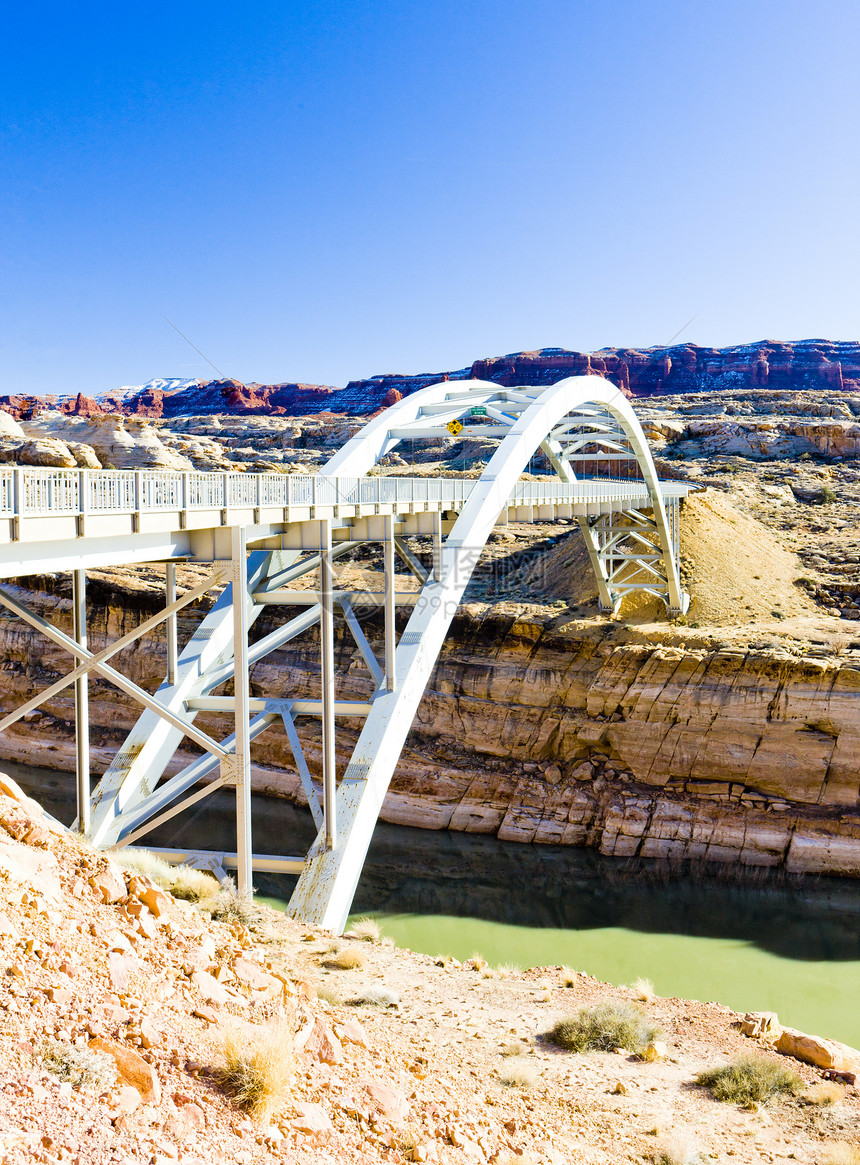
(373, 996)
(519, 1072)
(84, 1069)
(477, 962)
(604, 1028)
(643, 989)
(346, 959)
(568, 977)
(505, 970)
(512, 1050)
(180, 881)
(679, 1148)
(231, 907)
(750, 1080)
(258, 1067)
(329, 993)
(365, 929)
(824, 1093)
(408, 1139)
(839, 1153)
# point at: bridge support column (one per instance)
(605, 599)
(437, 544)
(327, 684)
(171, 625)
(82, 706)
(241, 713)
(390, 625)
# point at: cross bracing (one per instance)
(265, 533)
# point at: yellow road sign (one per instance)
(454, 427)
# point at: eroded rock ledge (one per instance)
(542, 734)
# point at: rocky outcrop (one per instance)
(773, 366)
(682, 754)
(776, 366)
(113, 441)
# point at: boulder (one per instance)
(323, 1044)
(10, 428)
(131, 1068)
(84, 455)
(211, 991)
(45, 451)
(390, 1102)
(761, 1025)
(108, 884)
(33, 868)
(312, 1118)
(820, 1052)
(10, 788)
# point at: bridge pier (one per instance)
(82, 708)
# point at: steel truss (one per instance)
(581, 424)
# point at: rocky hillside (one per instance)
(144, 1028)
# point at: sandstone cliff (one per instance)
(542, 732)
(821, 365)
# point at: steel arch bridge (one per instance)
(630, 521)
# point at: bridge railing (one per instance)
(32, 491)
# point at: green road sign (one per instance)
(478, 411)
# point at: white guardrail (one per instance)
(47, 492)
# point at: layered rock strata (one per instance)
(711, 754)
(775, 366)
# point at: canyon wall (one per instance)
(536, 735)
(825, 365)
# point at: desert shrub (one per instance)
(604, 1028)
(258, 1067)
(824, 1093)
(83, 1068)
(229, 906)
(373, 996)
(828, 494)
(505, 970)
(679, 1148)
(568, 977)
(329, 993)
(643, 989)
(366, 929)
(750, 1080)
(408, 1139)
(519, 1072)
(346, 959)
(180, 881)
(512, 1049)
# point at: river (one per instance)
(790, 946)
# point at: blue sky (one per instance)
(320, 191)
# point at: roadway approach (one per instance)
(262, 532)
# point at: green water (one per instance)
(816, 996)
(789, 947)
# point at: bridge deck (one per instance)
(56, 519)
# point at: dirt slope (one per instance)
(734, 567)
(101, 962)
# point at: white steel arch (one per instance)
(298, 525)
(554, 419)
(564, 420)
